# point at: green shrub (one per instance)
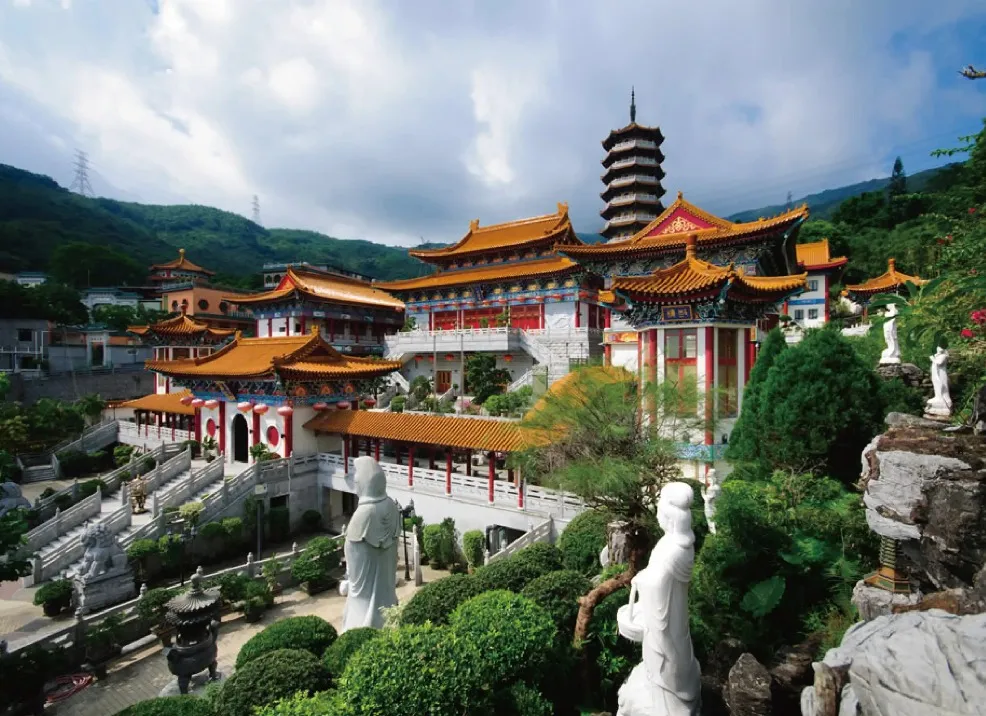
(232, 586)
(46, 493)
(436, 601)
(99, 460)
(474, 546)
(311, 520)
(89, 487)
(59, 590)
(269, 678)
(583, 540)
(325, 703)
(342, 649)
(64, 501)
(142, 549)
(122, 454)
(279, 523)
(195, 445)
(150, 607)
(320, 556)
(212, 531)
(309, 633)
(614, 657)
(169, 706)
(516, 571)
(558, 594)
(440, 543)
(190, 511)
(397, 404)
(514, 635)
(73, 463)
(521, 699)
(897, 397)
(234, 529)
(415, 670)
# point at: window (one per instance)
(223, 307)
(728, 378)
(174, 305)
(799, 315)
(813, 285)
(680, 352)
(180, 353)
(203, 305)
(25, 335)
(812, 314)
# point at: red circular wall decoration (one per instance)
(273, 436)
(210, 427)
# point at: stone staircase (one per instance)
(557, 349)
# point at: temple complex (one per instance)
(892, 281)
(812, 308)
(501, 289)
(177, 272)
(632, 177)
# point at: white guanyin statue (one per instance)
(710, 494)
(668, 681)
(939, 406)
(891, 354)
(371, 550)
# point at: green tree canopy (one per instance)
(83, 265)
(484, 378)
(744, 441)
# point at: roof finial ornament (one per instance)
(181, 252)
(633, 105)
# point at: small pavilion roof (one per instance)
(182, 264)
(325, 287)
(305, 357)
(886, 282)
(495, 272)
(816, 257)
(694, 276)
(671, 229)
(180, 326)
(161, 403)
(555, 227)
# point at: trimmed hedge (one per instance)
(517, 571)
(583, 540)
(474, 545)
(342, 649)
(325, 703)
(436, 601)
(269, 678)
(169, 706)
(523, 700)
(558, 594)
(440, 544)
(309, 633)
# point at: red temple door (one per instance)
(443, 381)
(525, 317)
(445, 321)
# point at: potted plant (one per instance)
(272, 569)
(257, 599)
(54, 597)
(102, 644)
(210, 448)
(151, 608)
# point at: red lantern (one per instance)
(320, 406)
(187, 400)
(212, 404)
(244, 407)
(285, 410)
(370, 402)
(507, 357)
(261, 408)
(419, 357)
(342, 405)
(449, 356)
(197, 403)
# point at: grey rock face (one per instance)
(909, 373)
(873, 602)
(747, 691)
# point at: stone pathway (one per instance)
(141, 675)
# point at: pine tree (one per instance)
(744, 441)
(898, 180)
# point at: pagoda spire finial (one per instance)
(633, 105)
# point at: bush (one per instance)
(474, 547)
(279, 523)
(73, 463)
(232, 586)
(558, 594)
(514, 635)
(150, 607)
(141, 549)
(310, 633)
(46, 493)
(212, 531)
(326, 703)
(397, 404)
(614, 657)
(169, 706)
(319, 557)
(311, 520)
(440, 544)
(415, 670)
(190, 511)
(269, 678)
(436, 601)
(897, 397)
(195, 445)
(63, 501)
(99, 460)
(57, 592)
(583, 540)
(342, 649)
(234, 529)
(122, 454)
(517, 571)
(522, 699)
(89, 487)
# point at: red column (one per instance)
(652, 355)
(410, 466)
(222, 428)
(607, 354)
(345, 452)
(577, 314)
(468, 463)
(749, 355)
(709, 380)
(492, 458)
(198, 425)
(256, 429)
(448, 472)
(270, 327)
(607, 317)
(541, 317)
(288, 434)
(302, 325)
(376, 449)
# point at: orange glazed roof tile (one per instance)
(519, 270)
(889, 281)
(326, 287)
(445, 431)
(161, 403)
(506, 235)
(300, 357)
(815, 256)
(180, 326)
(183, 264)
(694, 275)
(680, 220)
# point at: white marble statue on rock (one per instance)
(668, 681)
(371, 550)
(710, 494)
(891, 354)
(941, 404)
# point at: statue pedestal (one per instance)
(639, 697)
(937, 410)
(105, 590)
(197, 685)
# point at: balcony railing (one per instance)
(630, 161)
(632, 179)
(634, 144)
(623, 199)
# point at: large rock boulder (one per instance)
(748, 689)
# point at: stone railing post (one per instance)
(154, 510)
(75, 489)
(79, 640)
(58, 521)
(249, 564)
(143, 591)
(36, 570)
(124, 493)
(133, 464)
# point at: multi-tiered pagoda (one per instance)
(633, 177)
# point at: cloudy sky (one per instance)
(395, 120)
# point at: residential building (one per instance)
(811, 308)
(30, 279)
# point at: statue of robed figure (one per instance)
(371, 550)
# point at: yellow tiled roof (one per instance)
(816, 256)
(180, 326)
(519, 270)
(889, 281)
(339, 289)
(183, 264)
(302, 357)
(506, 235)
(438, 430)
(693, 274)
(161, 403)
(682, 219)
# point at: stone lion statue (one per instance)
(103, 552)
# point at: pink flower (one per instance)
(966, 333)
(972, 210)
(978, 317)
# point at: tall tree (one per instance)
(83, 265)
(898, 180)
(484, 378)
(13, 563)
(744, 441)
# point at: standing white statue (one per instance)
(891, 354)
(371, 550)
(668, 681)
(941, 405)
(710, 494)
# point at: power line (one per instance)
(80, 183)
(256, 210)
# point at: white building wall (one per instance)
(618, 323)
(808, 309)
(624, 355)
(305, 441)
(559, 315)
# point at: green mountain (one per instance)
(824, 203)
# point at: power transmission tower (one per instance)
(256, 210)
(80, 183)
(789, 195)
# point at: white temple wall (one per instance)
(618, 323)
(305, 441)
(559, 315)
(624, 355)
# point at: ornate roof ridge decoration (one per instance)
(695, 276)
(301, 357)
(507, 234)
(496, 272)
(816, 256)
(890, 280)
(182, 263)
(180, 325)
(665, 233)
(324, 287)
